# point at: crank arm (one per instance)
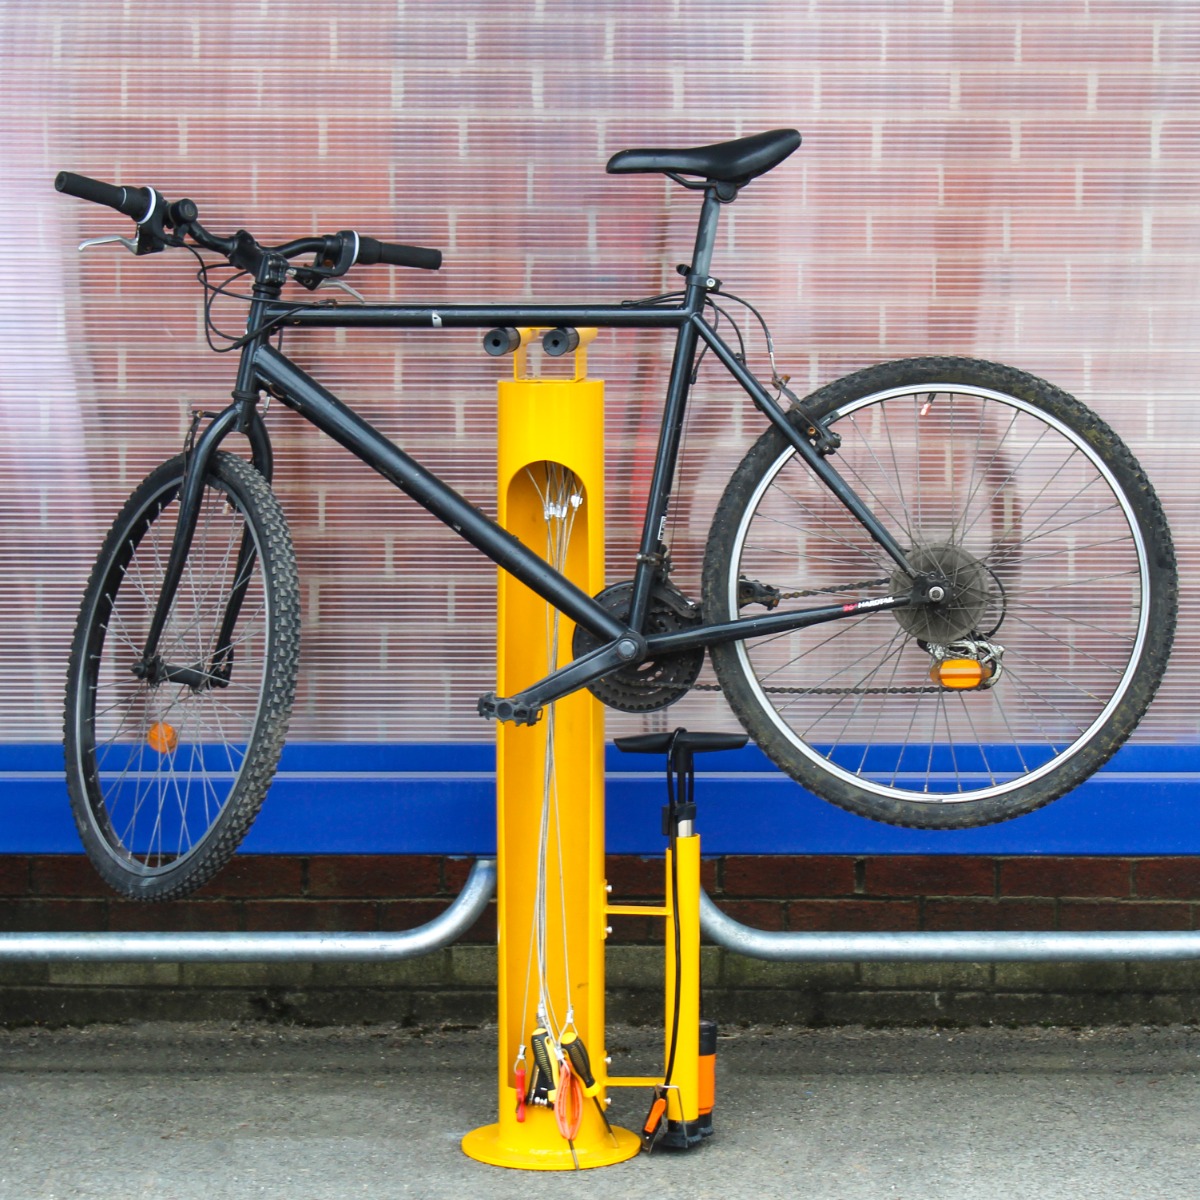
(525, 708)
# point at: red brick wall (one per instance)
(828, 893)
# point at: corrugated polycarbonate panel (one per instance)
(1013, 181)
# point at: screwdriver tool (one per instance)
(545, 1064)
(581, 1064)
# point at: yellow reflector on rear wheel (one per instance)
(960, 673)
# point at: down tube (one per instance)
(300, 392)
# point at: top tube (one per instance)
(479, 316)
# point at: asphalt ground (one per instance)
(220, 1112)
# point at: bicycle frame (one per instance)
(263, 366)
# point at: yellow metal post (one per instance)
(556, 421)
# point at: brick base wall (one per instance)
(384, 893)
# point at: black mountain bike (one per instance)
(939, 592)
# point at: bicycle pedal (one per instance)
(497, 708)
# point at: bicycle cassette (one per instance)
(656, 682)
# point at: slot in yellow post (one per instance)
(549, 421)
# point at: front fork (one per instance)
(242, 416)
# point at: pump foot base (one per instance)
(503, 1146)
(683, 1135)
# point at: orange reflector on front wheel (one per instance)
(162, 737)
(960, 673)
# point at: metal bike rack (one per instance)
(942, 947)
(445, 928)
(720, 928)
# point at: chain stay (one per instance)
(830, 691)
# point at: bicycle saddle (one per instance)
(735, 162)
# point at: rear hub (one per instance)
(973, 600)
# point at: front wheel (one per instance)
(168, 762)
(1037, 664)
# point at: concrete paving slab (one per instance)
(219, 1112)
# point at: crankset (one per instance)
(656, 682)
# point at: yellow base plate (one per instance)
(530, 1150)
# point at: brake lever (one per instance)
(314, 279)
(345, 287)
(130, 244)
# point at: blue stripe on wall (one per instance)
(439, 799)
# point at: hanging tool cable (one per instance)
(552, 1083)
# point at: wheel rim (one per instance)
(1027, 499)
(162, 762)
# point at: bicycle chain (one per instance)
(802, 691)
(826, 591)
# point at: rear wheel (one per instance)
(1040, 660)
(168, 762)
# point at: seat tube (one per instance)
(649, 560)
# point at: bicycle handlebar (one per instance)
(142, 203)
(133, 202)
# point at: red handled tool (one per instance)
(581, 1064)
(568, 1106)
(519, 1078)
(655, 1119)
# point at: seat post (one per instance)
(706, 238)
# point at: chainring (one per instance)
(656, 682)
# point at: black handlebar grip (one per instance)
(133, 202)
(371, 251)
